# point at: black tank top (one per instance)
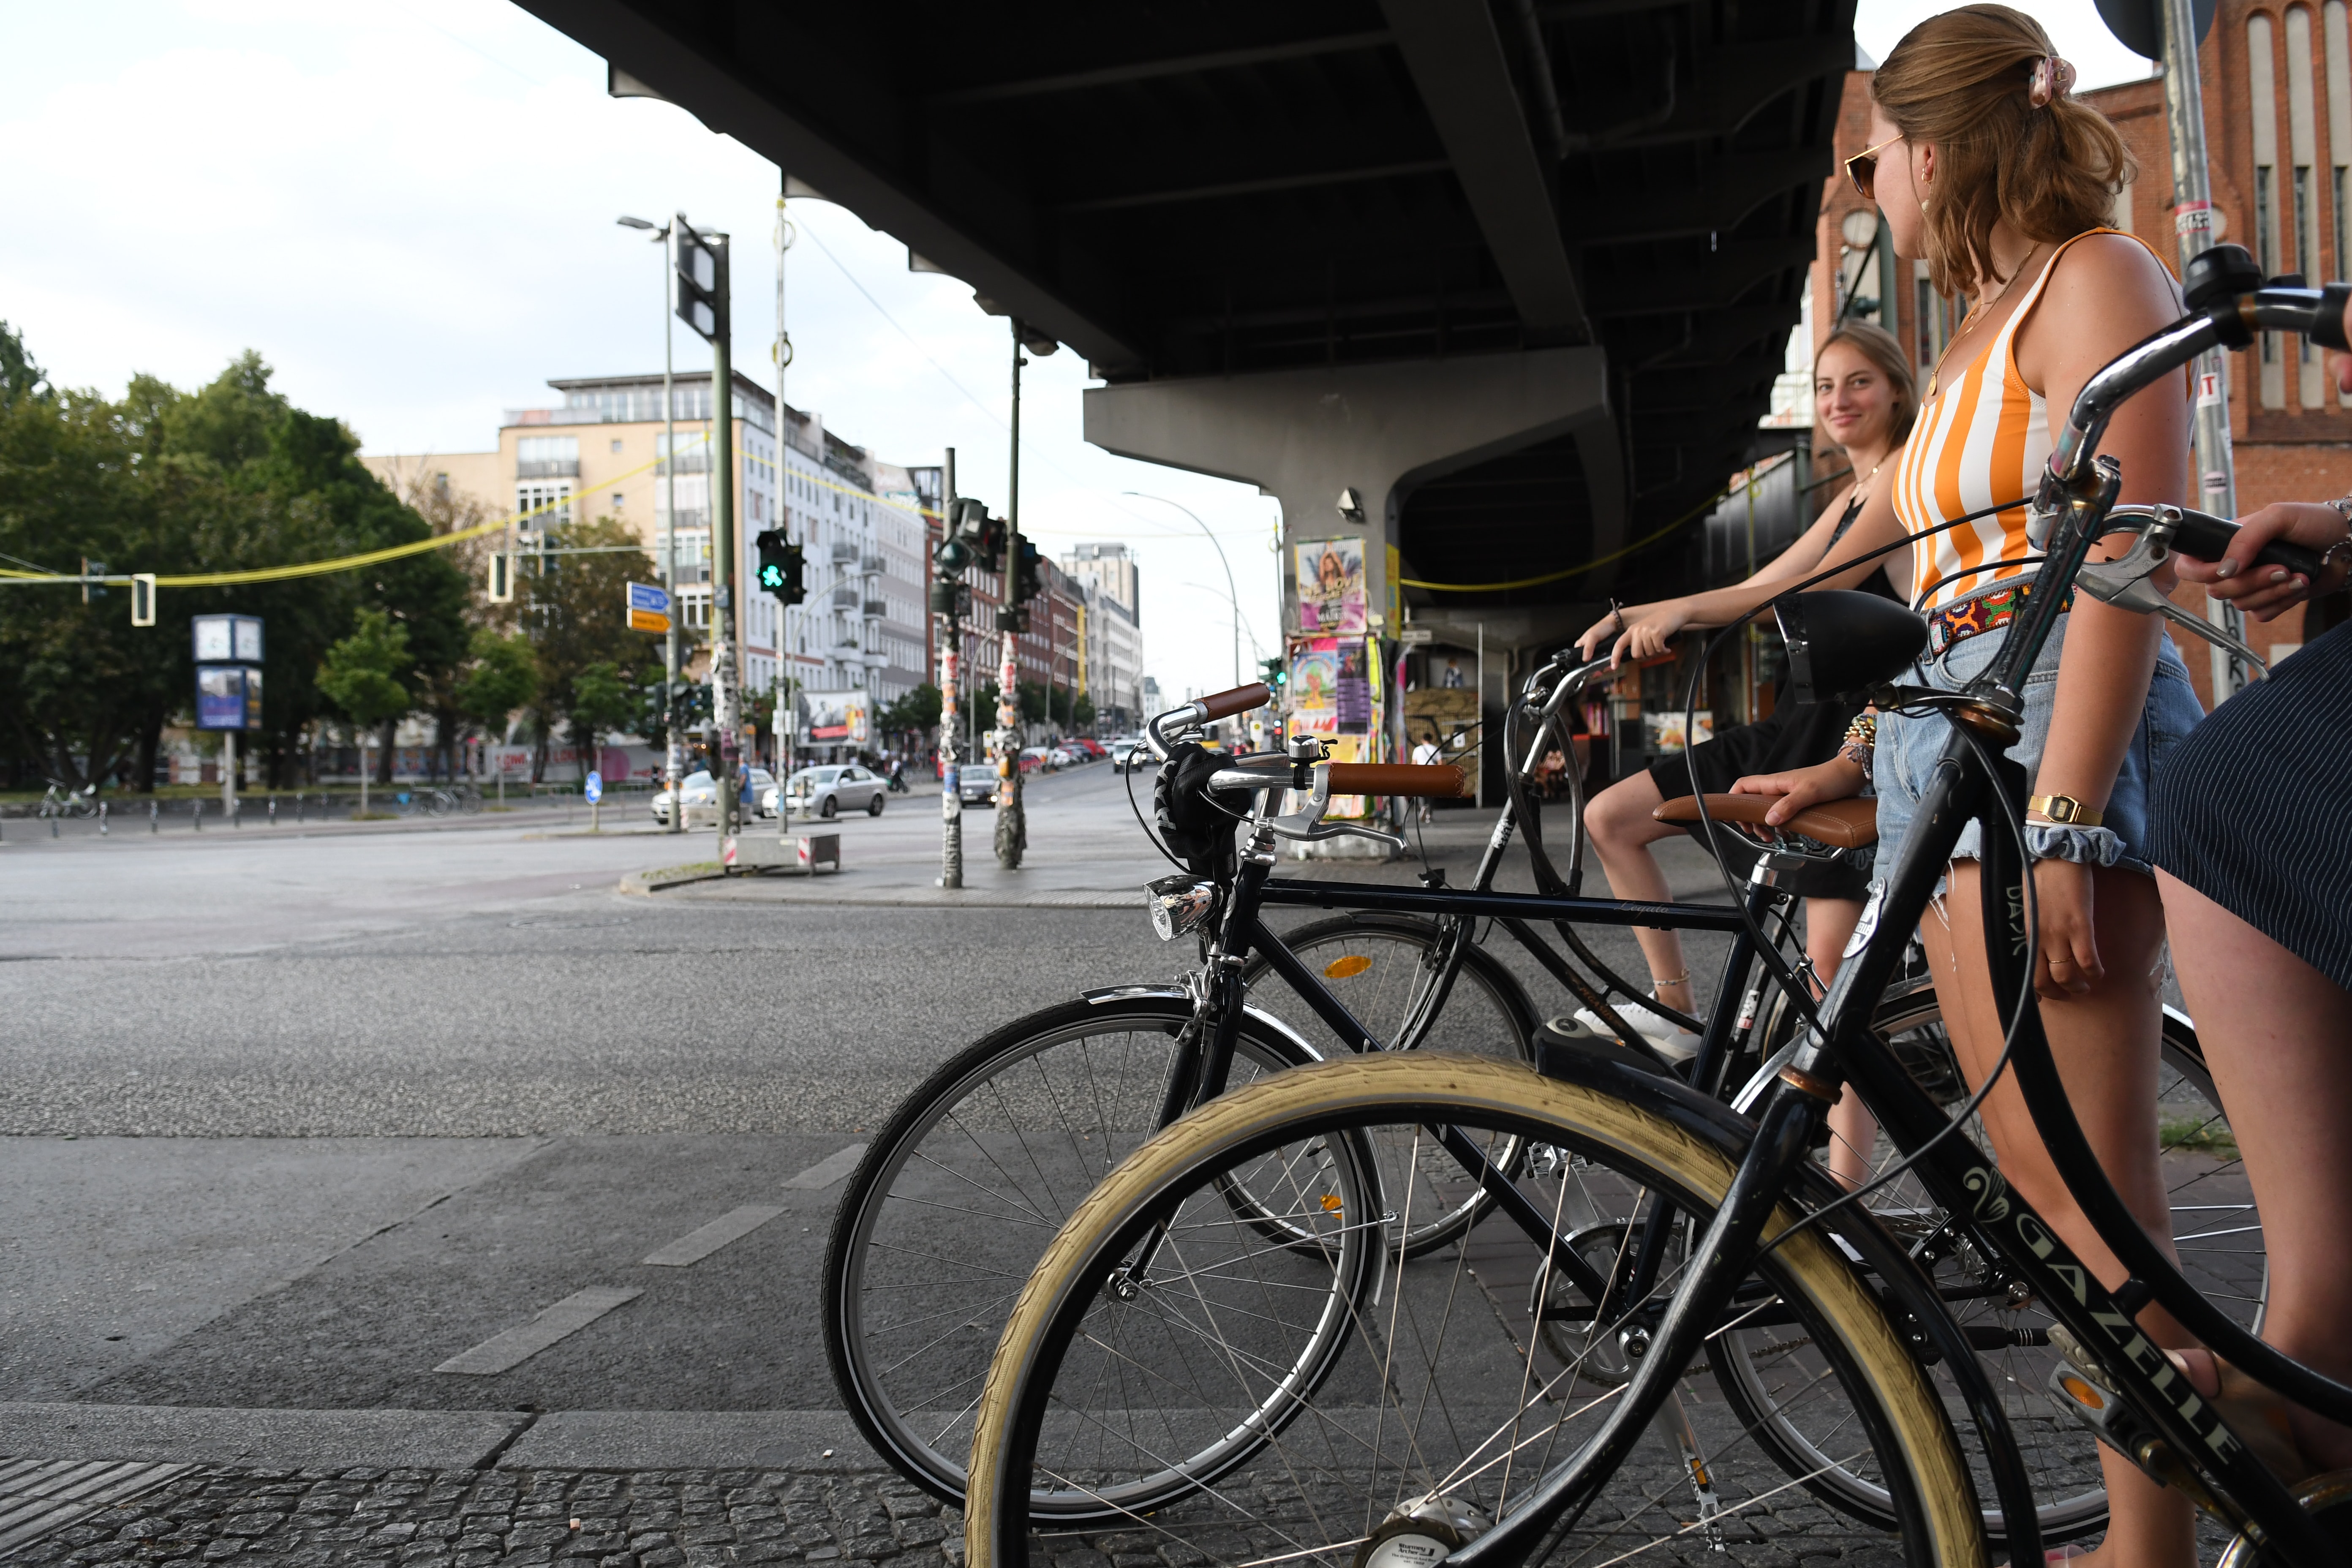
(1877, 583)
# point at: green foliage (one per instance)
(502, 676)
(229, 477)
(360, 674)
(19, 376)
(601, 702)
(1082, 712)
(575, 610)
(917, 711)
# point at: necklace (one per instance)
(1936, 376)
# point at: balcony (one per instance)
(844, 554)
(548, 469)
(847, 598)
(872, 566)
(878, 609)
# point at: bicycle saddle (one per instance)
(1839, 823)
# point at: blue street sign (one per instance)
(594, 788)
(645, 597)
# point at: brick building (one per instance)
(2278, 121)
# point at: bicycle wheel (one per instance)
(1145, 1369)
(962, 1188)
(1384, 969)
(2213, 1220)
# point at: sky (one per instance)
(408, 210)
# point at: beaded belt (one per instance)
(1958, 622)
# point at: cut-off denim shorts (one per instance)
(1909, 746)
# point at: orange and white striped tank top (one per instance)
(1982, 437)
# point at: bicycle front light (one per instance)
(1841, 640)
(1180, 904)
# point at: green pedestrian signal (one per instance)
(781, 566)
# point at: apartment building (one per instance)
(604, 451)
(1110, 668)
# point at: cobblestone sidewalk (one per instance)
(523, 1518)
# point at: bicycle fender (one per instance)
(1288, 1036)
(1910, 1296)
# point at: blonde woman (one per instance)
(1985, 165)
(1863, 399)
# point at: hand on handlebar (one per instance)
(1837, 779)
(1639, 631)
(2264, 591)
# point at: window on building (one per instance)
(616, 443)
(544, 505)
(2262, 99)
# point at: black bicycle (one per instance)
(1223, 1392)
(962, 1184)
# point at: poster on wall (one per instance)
(1352, 692)
(1314, 686)
(834, 717)
(1331, 588)
(1335, 693)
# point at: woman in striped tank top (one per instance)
(1987, 168)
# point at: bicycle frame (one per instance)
(2170, 1431)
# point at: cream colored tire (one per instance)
(1905, 1422)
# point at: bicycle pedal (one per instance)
(2080, 1387)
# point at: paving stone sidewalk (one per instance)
(513, 1519)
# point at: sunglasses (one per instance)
(1863, 169)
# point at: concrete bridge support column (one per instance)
(1305, 436)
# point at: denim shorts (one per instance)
(1909, 746)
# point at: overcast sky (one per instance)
(407, 209)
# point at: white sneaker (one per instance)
(1668, 1038)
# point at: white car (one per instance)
(698, 790)
(832, 790)
(1129, 752)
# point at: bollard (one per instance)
(198, 816)
(53, 826)
(273, 811)
(155, 818)
(101, 819)
(298, 808)
(237, 812)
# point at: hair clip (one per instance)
(2053, 78)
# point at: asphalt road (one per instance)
(293, 1118)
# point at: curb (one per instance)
(435, 1440)
(645, 884)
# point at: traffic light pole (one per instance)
(673, 757)
(951, 674)
(1012, 817)
(2192, 223)
(722, 559)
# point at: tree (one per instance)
(19, 376)
(601, 701)
(502, 676)
(359, 676)
(917, 712)
(575, 610)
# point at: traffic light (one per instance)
(142, 598)
(1028, 574)
(502, 585)
(1275, 673)
(781, 566)
(701, 280)
(93, 579)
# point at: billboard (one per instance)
(228, 696)
(1331, 588)
(835, 718)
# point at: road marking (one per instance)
(732, 1226)
(827, 1171)
(502, 1353)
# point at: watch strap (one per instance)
(2064, 810)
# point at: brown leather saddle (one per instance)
(1835, 825)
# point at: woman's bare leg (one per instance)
(1623, 830)
(2105, 1043)
(2278, 1036)
(1853, 1129)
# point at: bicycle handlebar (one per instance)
(2209, 538)
(1437, 781)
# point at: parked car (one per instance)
(698, 790)
(1129, 752)
(1064, 757)
(832, 790)
(1034, 759)
(1093, 748)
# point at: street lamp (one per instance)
(1229, 590)
(672, 764)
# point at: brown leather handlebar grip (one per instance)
(1239, 700)
(1441, 781)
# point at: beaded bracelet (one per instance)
(1860, 744)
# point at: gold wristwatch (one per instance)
(2064, 810)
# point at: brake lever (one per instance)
(2123, 583)
(1306, 825)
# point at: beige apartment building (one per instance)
(601, 453)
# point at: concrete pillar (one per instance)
(1306, 435)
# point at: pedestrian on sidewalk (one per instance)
(1427, 754)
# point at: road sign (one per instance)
(1414, 637)
(592, 790)
(648, 608)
